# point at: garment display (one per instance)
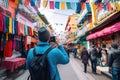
(1, 22)
(8, 49)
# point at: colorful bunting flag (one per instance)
(45, 2)
(51, 4)
(38, 3)
(109, 7)
(82, 5)
(68, 5)
(88, 7)
(62, 5)
(26, 2)
(16, 1)
(78, 7)
(94, 14)
(57, 5)
(73, 5)
(33, 2)
(104, 6)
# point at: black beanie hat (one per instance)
(43, 34)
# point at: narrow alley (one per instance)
(71, 71)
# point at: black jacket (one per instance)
(114, 58)
(93, 53)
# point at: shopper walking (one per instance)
(93, 58)
(114, 61)
(75, 51)
(84, 57)
(55, 56)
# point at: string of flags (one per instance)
(61, 5)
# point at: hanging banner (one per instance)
(51, 5)
(44, 3)
(73, 5)
(26, 2)
(57, 5)
(38, 3)
(62, 6)
(78, 7)
(68, 5)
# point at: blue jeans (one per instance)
(93, 65)
(85, 67)
(115, 73)
(99, 61)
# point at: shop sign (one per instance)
(4, 3)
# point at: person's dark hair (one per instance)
(43, 34)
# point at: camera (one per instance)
(52, 39)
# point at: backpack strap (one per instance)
(46, 52)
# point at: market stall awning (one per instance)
(106, 31)
(91, 36)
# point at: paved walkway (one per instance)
(72, 71)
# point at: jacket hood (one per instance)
(116, 51)
(114, 45)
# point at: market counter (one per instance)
(13, 63)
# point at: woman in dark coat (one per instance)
(84, 57)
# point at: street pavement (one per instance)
(71, 71)
(74, 71)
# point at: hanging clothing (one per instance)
(13, 25)
(33, 2)
(4, 24)
(10, 25)
(8, 49)
(7, 24)
(18, 28)
(26, 30)
(1, 22)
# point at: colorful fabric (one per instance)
(10, 25)
(7, 24)
(78, 7)
(68, 4)
(33, 2)
(82, 5)
(1, 22)
(94, 14)
(8, 49)
(22, 27)
(62, 6)
(73, 5)
(44, 4)
(26, 2)
(16, 1)
(13, 26)
(109, 7)
(26, 30)
(57, 5)
(4, 24)
(38, 3)
(51, 4)
(18, 28)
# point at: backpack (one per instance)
(39, 68)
